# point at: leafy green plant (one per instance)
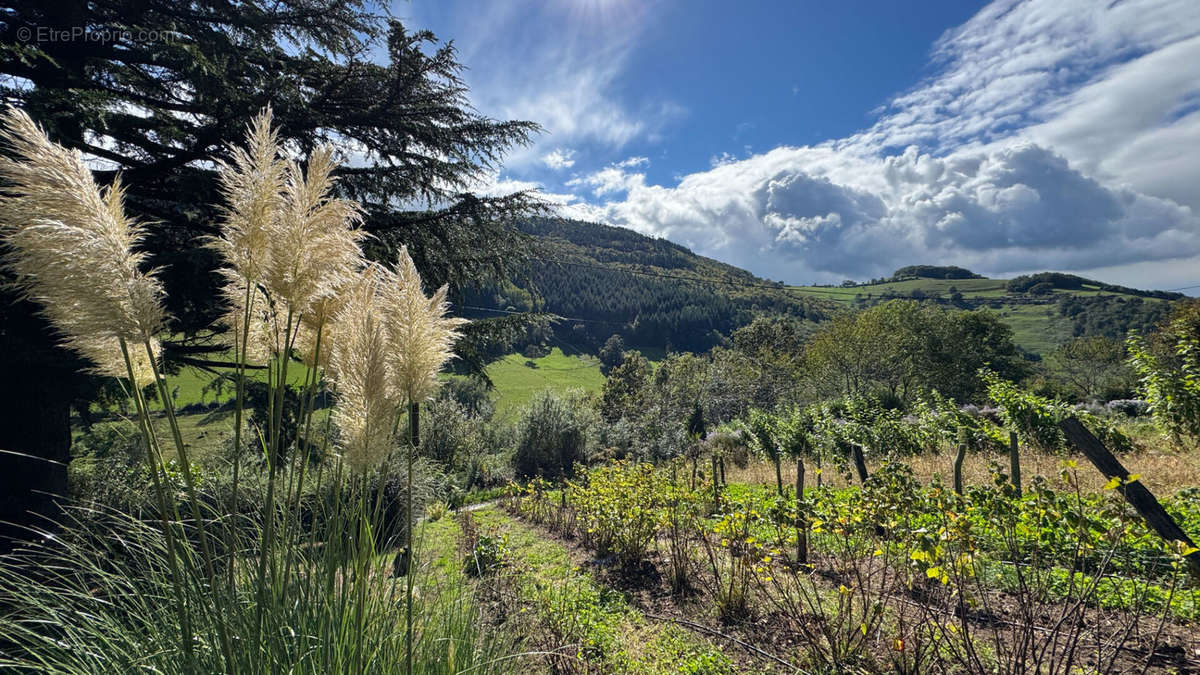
(486, 556)
(619, 509)
(1169, 372)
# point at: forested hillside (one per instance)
(656, 294)
(659, 295)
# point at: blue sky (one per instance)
(817, 141)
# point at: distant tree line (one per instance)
(1050, 281)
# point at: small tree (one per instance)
(1092, 366)
(1168, 365)
(611, 354)
(766, 442)
(552, 436)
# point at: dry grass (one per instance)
(1163, 470)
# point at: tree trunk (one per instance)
(35, 422)
(1134, 492)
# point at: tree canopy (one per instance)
(902, 346)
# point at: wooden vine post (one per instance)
(717, 482)
(1014, 461)
(958, 460)
(860, 463)
(1140, 498)
(801, 524)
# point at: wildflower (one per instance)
(73, 251)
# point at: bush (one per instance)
(486, 556)
(108, 439)
(552, 436)
(449, 434)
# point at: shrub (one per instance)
(487, 556)
(552, 436)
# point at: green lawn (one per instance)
(516, 383)
(189, 383)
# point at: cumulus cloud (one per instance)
(814, 213)
(1054, 134)
(559, 159)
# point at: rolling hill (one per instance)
(608, 280)
(1043, 309)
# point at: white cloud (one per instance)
(559, 159)
(633, 161)
(566, 83)
(1054, 134)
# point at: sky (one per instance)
(821, 141)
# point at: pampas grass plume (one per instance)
(420, 335)
(72, 250)
(364, 411)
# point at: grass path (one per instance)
(585, 623)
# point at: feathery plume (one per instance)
(315, 243)
(71, 248)
(252, 183)
(420, 335)
(286, 235)
(364, 411)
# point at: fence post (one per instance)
(860, 463)
(958, 460)
(1014, 461)
(1134, 492)
(801, 525)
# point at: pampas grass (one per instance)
(225, 590)
(72, 250)
(421, 334)
(366, 408)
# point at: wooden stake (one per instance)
(860, 464)
(1134, 492)
(1014, 461)
(958, 460)
(801, 525)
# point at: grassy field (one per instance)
(188, 384)
(516, 383)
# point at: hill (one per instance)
(656, 294)
(1043, 309)
(660, 295)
